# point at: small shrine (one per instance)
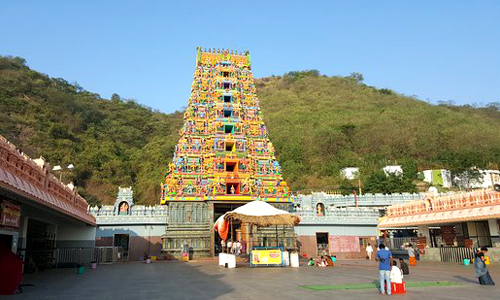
(124, 201)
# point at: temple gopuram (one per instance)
(223, 159)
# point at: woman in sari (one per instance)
(480, 267)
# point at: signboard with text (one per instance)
(10, 215)
(265, 256)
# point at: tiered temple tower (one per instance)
(224, 154)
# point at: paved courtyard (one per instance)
(206, 280)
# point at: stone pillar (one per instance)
(423, 231)
(23, 233)
(211, 224)
(494, 232)
(391, 240)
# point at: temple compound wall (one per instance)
(161, 230)
(138, 229)
(333, 219)
(341, 225)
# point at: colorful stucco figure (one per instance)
(224, 152)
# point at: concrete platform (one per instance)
(207, 280)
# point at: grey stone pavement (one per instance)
(207, 280)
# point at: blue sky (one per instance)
(436, 50)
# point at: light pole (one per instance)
(59, 168)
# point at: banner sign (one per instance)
(339, 244)
(10, 215)
(269, 256)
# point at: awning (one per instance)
(442, 217)
(23, 187)
(221, 226)
(262, 214)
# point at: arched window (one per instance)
(320, 209)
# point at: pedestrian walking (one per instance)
(384, 259)
(411, 255)
(480, 267)
(369, 251)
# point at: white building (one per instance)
(350, 173)
(396, 170)
(438, 177)
(487, 179)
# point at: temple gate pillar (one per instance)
(211, 221)
(423, 232)
(493, 225)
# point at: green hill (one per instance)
(318, 125)
(322, 124)
(110, 142)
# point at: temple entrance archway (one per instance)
(219, 210)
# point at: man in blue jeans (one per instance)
(384, 259)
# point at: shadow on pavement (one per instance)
(131, 280)
(462, 278)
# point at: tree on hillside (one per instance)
(379, 182)
(115, 97)
(348, 187)
(464, 166)
(357, 76)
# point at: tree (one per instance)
(115, 97)
(379, 182)
(347, 187)
(357, 76)
(464, 165)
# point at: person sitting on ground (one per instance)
(396, 273)
(321, 262)
(329, 261)
(404, 267)
(311, 262)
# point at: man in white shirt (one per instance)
(369, 251)
(238, 248)
(396, 273)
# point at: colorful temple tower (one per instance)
(224, 154)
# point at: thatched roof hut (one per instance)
(262, 214)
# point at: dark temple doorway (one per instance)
(219, 210)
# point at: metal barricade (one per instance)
(456, 254)
(70, 257)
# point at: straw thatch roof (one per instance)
(262, 214)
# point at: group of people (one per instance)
(324, 261)
(388, 273)
(234, 248)
(395, 274)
